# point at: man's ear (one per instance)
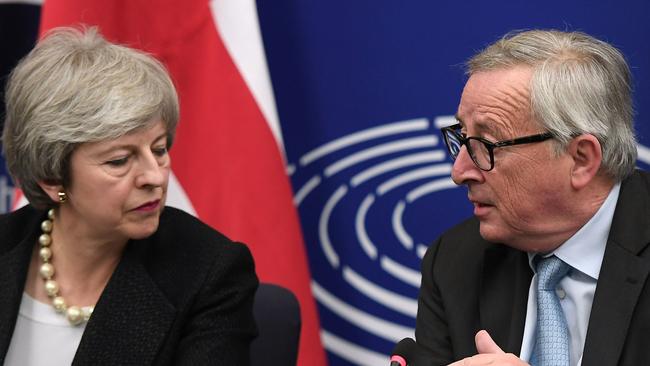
(587, 157)
(52, 189)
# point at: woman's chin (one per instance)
(143, 230)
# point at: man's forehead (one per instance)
(511, 86)
(496, 102)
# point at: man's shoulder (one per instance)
(462, 246)
(462, 237)
(467, 228)
(638, 180)
(643, 174)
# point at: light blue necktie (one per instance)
(552, 334)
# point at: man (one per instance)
(552, 268)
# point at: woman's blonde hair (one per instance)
(76, 87)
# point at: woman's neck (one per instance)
(83, 261)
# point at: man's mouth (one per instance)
(481, 208)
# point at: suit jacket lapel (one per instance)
(622, 276)
(131, 319)
(14, 265)
(620, 282)
(504, 295)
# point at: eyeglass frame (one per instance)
(489, 145)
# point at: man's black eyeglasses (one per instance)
(482, 150)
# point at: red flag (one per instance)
(225, 155)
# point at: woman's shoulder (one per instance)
(185, 254)
(17, 225)
(23, 214)
(176, 223)
(180, 232)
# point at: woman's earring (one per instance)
(62, 197)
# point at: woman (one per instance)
(96, 270)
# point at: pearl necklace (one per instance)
(75, 314)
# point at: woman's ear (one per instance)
(52, 189)
(587, 157)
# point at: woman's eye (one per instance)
(118, 162)
(161, 151)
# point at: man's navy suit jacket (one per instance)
(469, 284)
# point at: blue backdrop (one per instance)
(362, 87)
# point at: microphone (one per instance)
(408, 353)
(402, 351)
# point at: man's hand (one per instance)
(489, 353)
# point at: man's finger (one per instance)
(485, 344)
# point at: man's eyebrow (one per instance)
(483, 127)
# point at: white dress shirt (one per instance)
(584, 252)
(42, 336)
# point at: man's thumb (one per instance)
(485, 344)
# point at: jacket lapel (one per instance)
(19, 233)
(504, 295)
(14, 266)
(622, 276)
(620, 282)
(131, 319)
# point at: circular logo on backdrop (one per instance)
(370, 203)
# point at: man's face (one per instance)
(518, 201)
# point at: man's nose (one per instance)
(464, 170)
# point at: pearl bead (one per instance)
(46, 226)
(45, 240)
(47, 271)
(52, 288)
(74, 315)
(87, 311)
(45, 253)
(59, 304)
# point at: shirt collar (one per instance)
(584, 250)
